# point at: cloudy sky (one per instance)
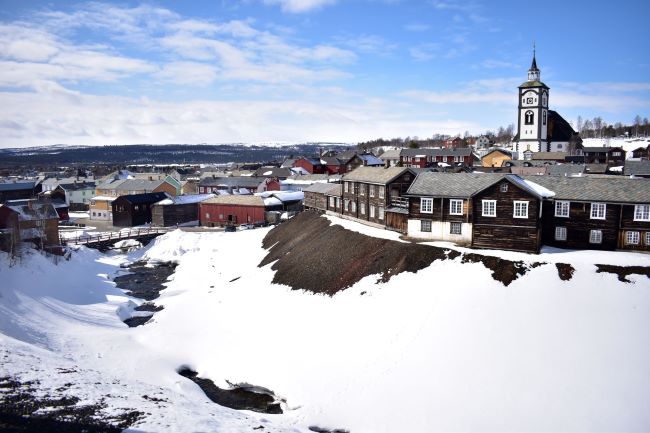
(307, 70)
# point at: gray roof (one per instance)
(465, 185)
(566, 169)
(233, 181)
(637, 168)
(239, 200)
(614, 189)
(15, 186)
(459, 151)
(551, 156)
(391, 154)
(378, 175)
(599, 149)
(34, 211)
(323, 188)
(273, 172)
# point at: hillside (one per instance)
(439, 344)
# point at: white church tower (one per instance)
(533, 113)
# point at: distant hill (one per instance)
(158, 153)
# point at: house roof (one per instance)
(551, 156)
(146, 198)
(459, 151)
(637, 168)
(502, 151)
(600, 149)
(77, 186)
(322, 188)
(185, 199)
(566, 169)
(131, 184)
(233, 181)
(371, 159)
(238, 200)
(374, 174)
(391, 154)
(312, 161)
(273, 172)
(614, 189)
(34, 211)
(466, 185)
(558, 128)
(16, 186)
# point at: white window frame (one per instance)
(346, 205)
(455, 224)
(354, 206)
(562, 208)
(422, 224)
(332, 202)
(362, 208)
(560, 233)
(454, 202)
(523, 210)
(362, 189)
(642, 212)
(428, 208)
(372, 190)
(503, 187)
(647, 238)
(487, 206)
(596, 208)
(381, 192)
(372, 210)
(596, 237)
(632, 238)
(381, 213)
(345, 186)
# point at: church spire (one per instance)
(533, 72)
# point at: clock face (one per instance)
(529, 100)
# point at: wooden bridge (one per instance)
(105, 241)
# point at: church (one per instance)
(538, 128)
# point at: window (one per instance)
(529, 117)
(596, 237)
(362, 208)
(381, 192)
(560, 233)
(381, 213)
(489, 208)
(598, 211)
(207, 214)
(426, 205)
(220, 216)
(520, 209)
(425, 226)
(332, 202)
(562, 209)
(346, 205)
(647, 238)
(632, 238)
(616, 153)
(455, 228)
(372, 211)
(641, 212)
(354, 206)
(504, 187)
(455, 207)
(362, 189)
(372, 190)
(544, 117)
(345, 186)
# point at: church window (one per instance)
(529, 117)
(544, 118)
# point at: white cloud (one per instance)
(300, 6)
(188, 73)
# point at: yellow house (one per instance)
(495, 158)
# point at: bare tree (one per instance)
(637, 123)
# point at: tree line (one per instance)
(599, 128)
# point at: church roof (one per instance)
(533, 66)
(533, 84)
(558, 128)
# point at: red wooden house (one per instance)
(311, 165)
(231, 210)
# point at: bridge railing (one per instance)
(86, 239)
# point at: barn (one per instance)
(232, 210)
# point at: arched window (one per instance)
(544, 117)
(529, 117)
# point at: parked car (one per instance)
(230, 229)
(246, 226)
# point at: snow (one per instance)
(539, 189)
(628, 144)
(444, 349)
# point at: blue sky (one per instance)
(307, 70)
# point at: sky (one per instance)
(268, 71)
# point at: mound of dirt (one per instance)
(565, 271)
(623, 271)
(312, 254)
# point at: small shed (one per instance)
(135, 209)
(177, 210)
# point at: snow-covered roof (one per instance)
(186, 199)
(103, 198)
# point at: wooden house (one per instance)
(487, 210)
(334, 196)
(135, 209)
(423, 158)
(323, 196)
(369, 191)
(311, 165)
(179, 210)
(496, 158)
(232, 210)
(597, 213)
(230, 184)
(33, 221)
(641, 153)
(101, 206)
(19, 190)
(604, 155)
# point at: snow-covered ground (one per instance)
(446, 349)
(628, 144)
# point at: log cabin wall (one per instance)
(504, 231)
(579, 225)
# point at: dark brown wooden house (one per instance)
(369, 191)
(316, 198)
(597, 213)
(33, 221)
(135, 210)
(179, 210)
(604, 155)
